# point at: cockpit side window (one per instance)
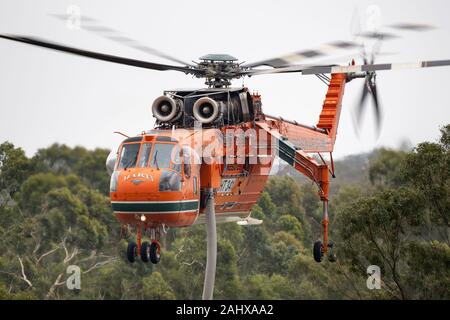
(187, 169)
(129, 155)
(176, 160)
(145, 155)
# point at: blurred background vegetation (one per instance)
(389, 207)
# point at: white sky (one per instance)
(49, 97)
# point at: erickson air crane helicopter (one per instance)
(209, 155)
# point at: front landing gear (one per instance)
(132, 251)
(148, 251)
(155, 252)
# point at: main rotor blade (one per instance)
(99, 56)
(308, 70)
(91, 25)
(378, 67)
(381, 35)
(294, 57)
(331, 48)
(412, 26)
(377, 35)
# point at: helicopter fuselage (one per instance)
(157, 178)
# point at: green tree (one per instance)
(263, 287)
(387, 207)
(428, 169)
(287, 196)
(292, 225)
(386, 168)
(376, 229)
(429, 276)
(156, 288)
(14, 167)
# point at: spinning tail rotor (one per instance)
(369, 89)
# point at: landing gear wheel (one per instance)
(317, 251)
(145, 251)
(132, 251)
(155, 252)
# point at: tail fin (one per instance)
(331, 109)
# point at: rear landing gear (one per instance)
(326, 248)
(319, 252)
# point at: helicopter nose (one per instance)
(139, 181)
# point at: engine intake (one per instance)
(206, 110)
(167, 109)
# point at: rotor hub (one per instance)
(219, 70)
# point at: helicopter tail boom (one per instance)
(319, 138)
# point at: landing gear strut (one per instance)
(326, 248)
(145, 251)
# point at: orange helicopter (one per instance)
(159, 178)
(210, 153)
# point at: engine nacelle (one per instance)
(167, 109)
(206, 110)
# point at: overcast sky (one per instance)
(49, 97)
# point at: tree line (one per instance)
(55, 212)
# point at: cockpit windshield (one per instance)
(164, 156)
(129, 155)
(145, 155)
